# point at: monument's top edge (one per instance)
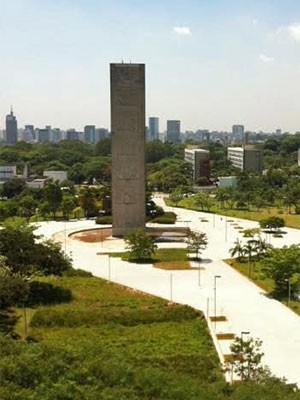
(127, 64)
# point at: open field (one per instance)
(291, 220)
(111, 342)
(169, 259)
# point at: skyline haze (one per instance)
(209, 64)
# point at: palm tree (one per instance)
(250, 248)
(238, 250)
(262, 247)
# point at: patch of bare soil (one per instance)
(92, 236)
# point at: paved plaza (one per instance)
(246, 307)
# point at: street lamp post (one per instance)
(65, 238)
(242, 351)
(215, 296)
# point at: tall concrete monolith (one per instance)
(127, 83)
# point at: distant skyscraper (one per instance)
(238, 132)
(42, 135)
(89, 133)
(173, 131)
(153, 128)
(72, 134)
(28, 134)
(11, 128)
(100, 134)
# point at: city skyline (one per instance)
(208, 65)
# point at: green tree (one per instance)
(197, 242)
(250, 249)
(87, 201)
(203, 201)
(13, 292)
(238, 250)
(27, 257)
(53, 196)
(27, 205)
(246, 359)
(283, 265)
(176, 196)
(272, 223)
(103, 147)
(13, 187)
(222, 195)
(67, 205)
(140, 245)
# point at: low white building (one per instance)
(59, 176)
(7, 172)
(227, 181)
(38, 183)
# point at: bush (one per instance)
(47, 293)
(72, 272)
(166, 218)
(107, 220)
(118, 315)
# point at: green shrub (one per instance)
(72, 272)
(118, 315)
(167, 218)
(47, 293)
(107, 220)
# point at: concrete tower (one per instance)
(127, 83)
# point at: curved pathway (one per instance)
(246, 306)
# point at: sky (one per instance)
(209, 63)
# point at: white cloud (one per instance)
(255, 21)
(294, 31)
(182, 30)
(266, 59)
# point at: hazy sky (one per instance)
(209, 63)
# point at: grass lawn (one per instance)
(255, 274)
(170, 259)
(291, 220)
(111, 342)
(114, 343)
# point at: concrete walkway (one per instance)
(245, 306)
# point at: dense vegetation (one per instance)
(278, 190)
(112, 343)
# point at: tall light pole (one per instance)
(65, 238)
(242, 350)
(215, 296)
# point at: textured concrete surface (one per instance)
(127, 84)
